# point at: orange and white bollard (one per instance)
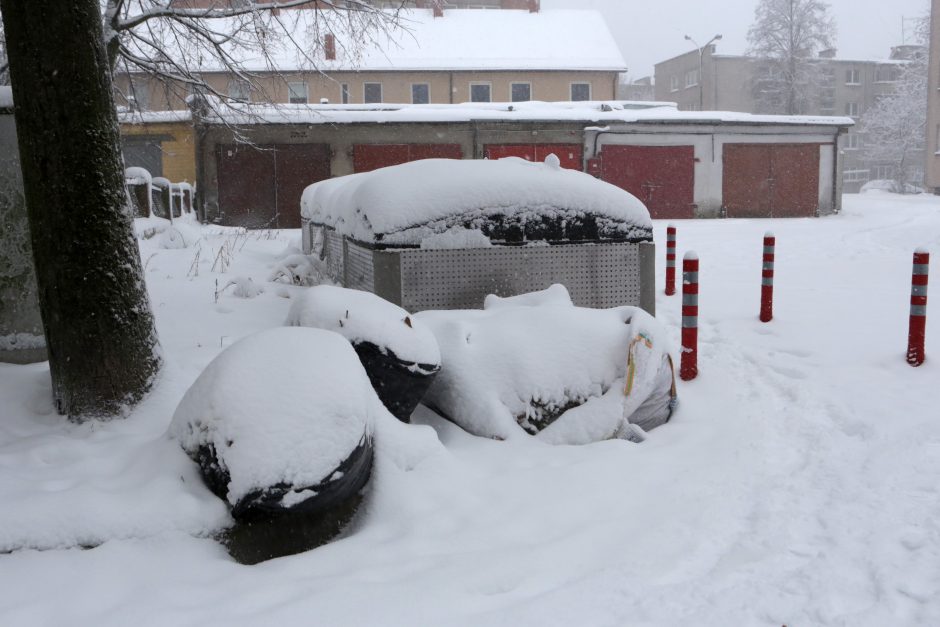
(767, 279)
(670, 260)
(688, 365)
(918, 324)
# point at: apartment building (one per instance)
(932, 150)
(449, 51)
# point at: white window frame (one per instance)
(853, 141)
(234, 89)
(571, 91)
(673, 83)
(853, 77)
(381, 92)
(427, 85)
(691, 79)
(344, 93)
(513, 84)
(290, 94)
(852, 109)
(486, 84)
(855, 176)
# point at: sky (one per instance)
(650, 31)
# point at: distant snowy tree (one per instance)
(784, 39)
(893, 130)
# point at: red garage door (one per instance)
(368, 157)
(260, 186)
(663, 177)
(568, 154)
(770, 180)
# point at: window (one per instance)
(851, 109)
(855, 176)
(580, 91)
(239, 89)
(852, 77)
(138, 96)
(344, 93)
(480, 92)
(420, 93)
(297, 92)
(691, 78)
(371, 92)
(674, 83)
(520, 92)
(884, 74)
(883, 172)
(852, 141)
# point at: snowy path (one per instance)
(798, 483)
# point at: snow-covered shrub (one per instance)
(281, 426)
(552, 370)
(244, 287)
(299, 269)
(400, 355)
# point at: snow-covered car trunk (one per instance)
(442, 233)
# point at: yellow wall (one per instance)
(179, 154)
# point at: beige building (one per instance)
(716, 82)
(932, 151)
(446, 55)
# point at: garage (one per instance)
(570, 155)
(663, 177)
(770, 180)
(368, 157)
(260, 186)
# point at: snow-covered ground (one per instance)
(798, 483)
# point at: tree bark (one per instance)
(103, 350)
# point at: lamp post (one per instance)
(701, 56)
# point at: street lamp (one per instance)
(701, 78)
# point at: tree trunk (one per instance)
(98, 324)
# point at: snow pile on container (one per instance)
(552, 370)
(281, 426)
(556, 294)
(400, 355)
(507, 200)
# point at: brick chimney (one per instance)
(329, 47)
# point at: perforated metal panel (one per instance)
(333, 253)
(358, 267)
(596, 275)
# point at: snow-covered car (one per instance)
(444, 233)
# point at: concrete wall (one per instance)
(21, 332)
(932, 157)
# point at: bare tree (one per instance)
(784, 38)
(176, 43)
(893, 130)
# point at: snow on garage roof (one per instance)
(405, 204)
(463, 39)
(607, 113)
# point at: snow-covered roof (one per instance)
(404, 204)
(463, 39)
(153, 117)
(610, 112)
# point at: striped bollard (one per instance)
(688, 366)
(918, 326)
(767, 279)
(670, 260)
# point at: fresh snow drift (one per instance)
(404, 205)
(552, 369)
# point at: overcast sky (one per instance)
(650, 31)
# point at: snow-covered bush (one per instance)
(281, 426)
(552, 370)
(400, 355)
